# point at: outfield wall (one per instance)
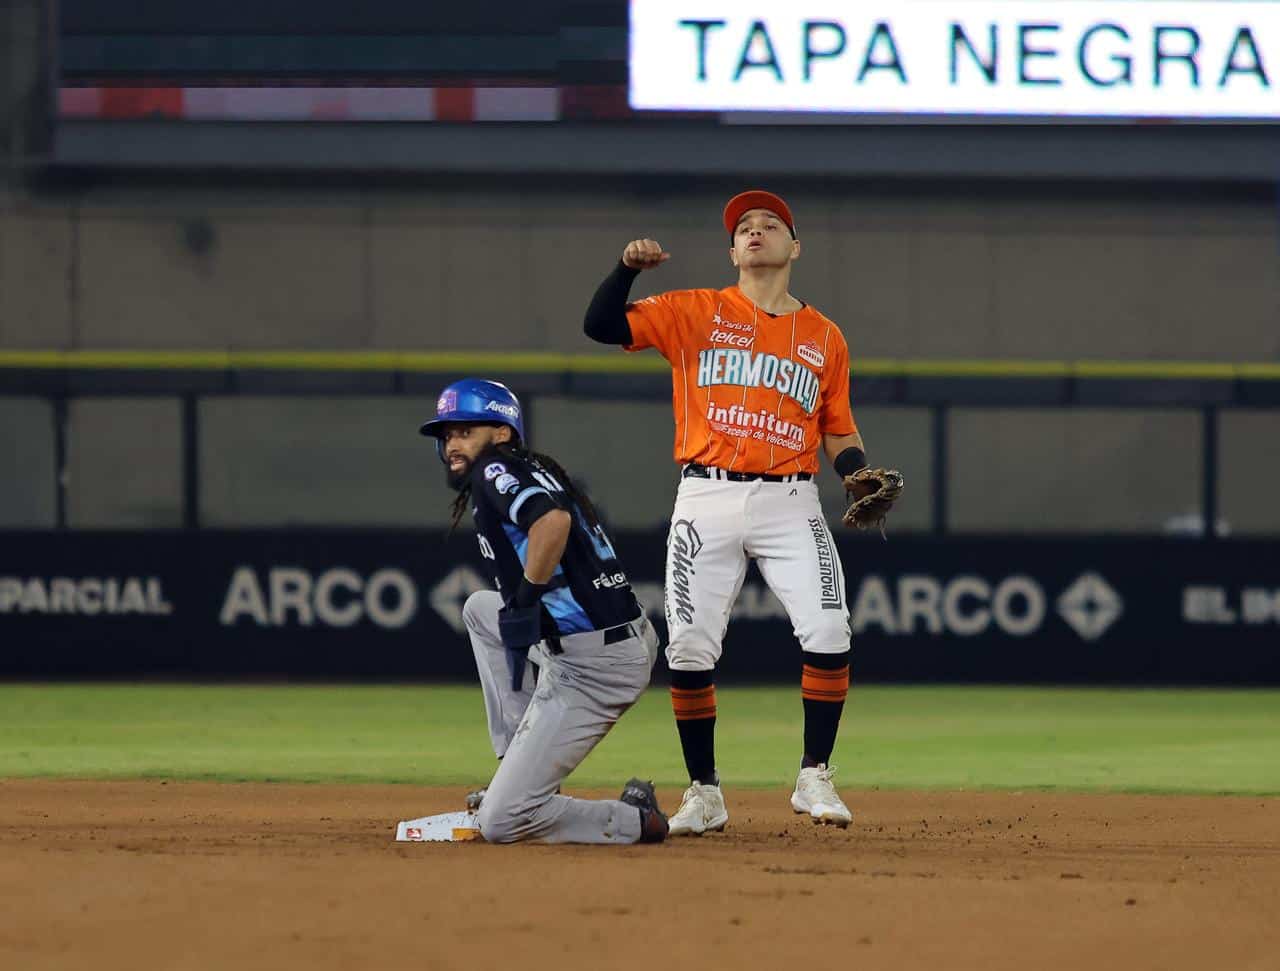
(1075, 270)
(387, 605)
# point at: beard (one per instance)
(457, 480)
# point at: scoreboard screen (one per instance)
(702, 61)
(951, 59)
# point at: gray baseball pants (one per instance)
(543, 733)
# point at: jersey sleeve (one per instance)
(510, 487)
(655, 322)
(836, 415)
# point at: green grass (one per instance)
(1206, 741)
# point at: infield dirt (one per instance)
(186, 876)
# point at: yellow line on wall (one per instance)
(962, 368)
(1186, 370)
(497, 363)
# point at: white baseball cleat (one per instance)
(816, 796)
(717, 815)
(701, 811)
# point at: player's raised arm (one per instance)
(606, 317)
(644, 254)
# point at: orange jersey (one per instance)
(752, 392)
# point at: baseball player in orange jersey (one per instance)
(760, 384)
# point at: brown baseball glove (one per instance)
(871, 494)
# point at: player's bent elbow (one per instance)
(602, 329)
(593, 327)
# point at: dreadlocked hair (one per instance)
(513, 450)
(517, 451)
(460, 503)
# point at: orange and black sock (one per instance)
(824, 684)
(693, 699)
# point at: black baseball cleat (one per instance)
(653, 824)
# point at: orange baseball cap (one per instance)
(756, 199)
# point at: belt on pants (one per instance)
(696, 471)
(601, 638)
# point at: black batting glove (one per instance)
(520, 628)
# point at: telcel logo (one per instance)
(732, 339)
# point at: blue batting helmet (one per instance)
(478, 400)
